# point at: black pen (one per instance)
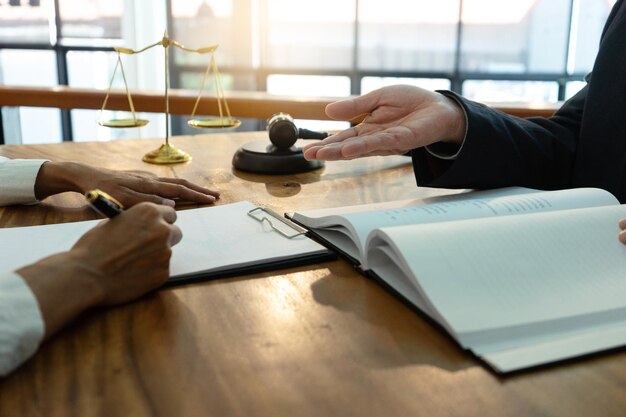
(103, 203)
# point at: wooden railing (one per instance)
(248, 104)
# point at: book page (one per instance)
(215, 239)
(558, 348)
(501, 279)
(489, 203)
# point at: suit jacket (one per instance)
(582, 145)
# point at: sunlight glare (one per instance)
(495, 11)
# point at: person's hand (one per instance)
(130, 254)
(622, 234)
(115, 262)
(397, 119)
(128, 187)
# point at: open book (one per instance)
(217, 242)
(519, 277)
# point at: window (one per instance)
(522, 36)
(25, 21)
(91, 19)
(488, 50)
(311, 85)
(372, 83)
(198, 23)
(511, 91)
(25, 67)
(305, 35)
(588, 17)
(573, 87)
(397, 35)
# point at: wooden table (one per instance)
(311, 341)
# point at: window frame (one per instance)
(456, 76)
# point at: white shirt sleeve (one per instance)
(21, 325)
(17, 180)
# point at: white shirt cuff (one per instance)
(21, 325)
(17, 178)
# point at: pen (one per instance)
(103, 203)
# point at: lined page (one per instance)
(485, 276)
(555, 349)
(481, 204)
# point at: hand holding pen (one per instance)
(114, 262)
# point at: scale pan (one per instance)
(121, 123)
(214, 123)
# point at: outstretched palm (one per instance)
(397, 120)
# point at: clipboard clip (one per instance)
(277, 222)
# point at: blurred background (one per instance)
(488, 50)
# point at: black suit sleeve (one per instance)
(502, 150)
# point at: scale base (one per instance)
(261, 158)
(166, 154)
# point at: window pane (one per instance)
(307, 34)
(11, 125)
(25, 21)
(27, 67)
(587, 25)
(308, 85)
(573, 87)
(402, 35)
(193, 81)
(514, 36)
(321, 125)
(199, 23)
(311, 85)
(91, 18)
(95, 69)
(511, 91)
(240, 82)
(92, 69)
(30, 68)
(372, 83)
(39, 125)
(85, 127)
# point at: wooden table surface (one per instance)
(317, 340)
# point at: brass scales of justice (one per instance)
(166, 153)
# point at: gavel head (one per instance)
(282, 130)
